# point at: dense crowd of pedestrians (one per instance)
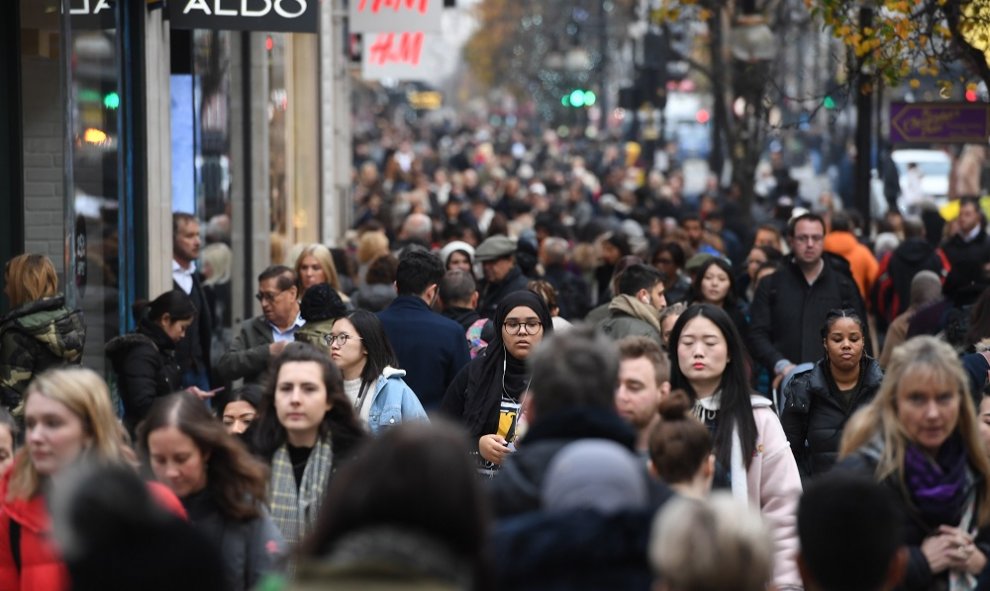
(531, 364)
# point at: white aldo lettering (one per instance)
(286, 14)
(197, 4)
(255, 13)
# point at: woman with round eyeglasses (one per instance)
(372, 380)
(486, 395)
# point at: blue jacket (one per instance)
(431, 348)
(393, 402)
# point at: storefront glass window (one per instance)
(293, 126)
(70, 97)
(202, 167)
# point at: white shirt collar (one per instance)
(177, 268)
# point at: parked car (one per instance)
(934, 166)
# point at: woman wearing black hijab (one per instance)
(485, 396)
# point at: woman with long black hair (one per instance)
(372, 380)
(144, 361)
(753, 457)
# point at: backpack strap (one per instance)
(14, 533)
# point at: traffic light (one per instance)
(828, 102)
(578, 98)
(111, 100)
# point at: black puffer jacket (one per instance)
(814, 416)
(145, 364)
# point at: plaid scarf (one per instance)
(295, 510)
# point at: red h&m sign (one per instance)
(399, 56)
(395, 16)
(396, 48)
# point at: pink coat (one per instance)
(774, 486)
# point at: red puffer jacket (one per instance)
(40, 566)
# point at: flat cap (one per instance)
(495, 247)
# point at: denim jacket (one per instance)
(393, 402)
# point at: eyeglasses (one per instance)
(341, 339)
(514, 326)
(814, 239)
(267, 297)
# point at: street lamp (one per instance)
(752, 40)
(753, 48)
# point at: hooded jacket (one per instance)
(146, 368)
(393, 402)
(628, 316)
(34, 337)
(892, 294)
(862, 263)
(814, 414)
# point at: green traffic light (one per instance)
(577, 98)
(829, 102)
(589, 98)
(111, 100)
(565, 100)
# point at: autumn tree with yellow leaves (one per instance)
(912, 38)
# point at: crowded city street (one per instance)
(477, 295)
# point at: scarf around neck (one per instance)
(938, 485)
(294, 510)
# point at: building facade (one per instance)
(114, 115)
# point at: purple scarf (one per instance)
(938, 488)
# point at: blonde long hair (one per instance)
(323, 255)
(30, 277)
(920, 356)
(84, 393)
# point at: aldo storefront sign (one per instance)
(291, 16)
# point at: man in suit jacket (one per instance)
(264, 337)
